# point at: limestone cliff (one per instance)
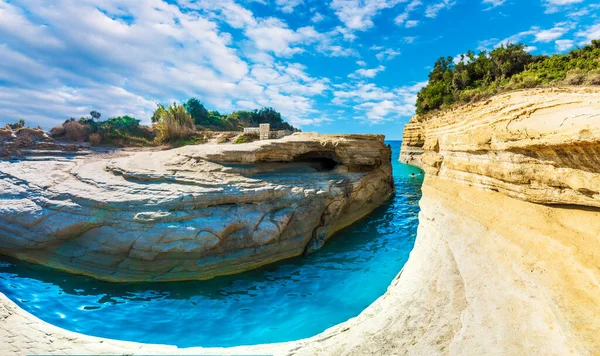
(189, 213)
(507, 256)
(512, 196)
(413, 140)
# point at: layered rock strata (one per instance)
(32, 141)
(413, 140)
(540, 145)
(512, 188)
(507, 257)
(190, 213)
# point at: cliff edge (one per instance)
(507, 256)
(512, 189)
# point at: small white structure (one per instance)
(264, 132)
(265, 129)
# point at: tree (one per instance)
(510, 60)
(197, 110)
(158, 113)
(95, 115)
(17, 125)
(267, 115)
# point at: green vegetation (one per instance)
(172, 123)
(237, 120)
(475, 77)
(120, 130)
(17, 125)
(177, 125)
(245, 138)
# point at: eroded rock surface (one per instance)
(190, 213)
(498, 268)
(513, 191)
(540, 145)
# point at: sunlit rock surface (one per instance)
(512, 191)
(540, 145)
(190, 213)
(507, 257)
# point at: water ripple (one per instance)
(286, 301)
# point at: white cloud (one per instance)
(313, 121)
(403, 17)
(67, 58)
(530, 48)
(388, 54)
(553, 6)
(433, 10)
(361, 93)
(411, 23)
(288, 6)
(409, 39)
(273, 35)
(232, 13)
(377, 111)
(359, 14)
(538, 34)
(361, 63)
(50, 106)
(375, 104)
(493, 3)
(564, 45)
(461, 58)
(579, 13)
(317, 18)
(552, 34)
(589, 34)
(367, 73)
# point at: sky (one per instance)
(331, 66)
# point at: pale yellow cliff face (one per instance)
(513, 188)
(540, 145)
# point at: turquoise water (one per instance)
(286, 301)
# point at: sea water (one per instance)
(286, 301)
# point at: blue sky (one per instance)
(334, 66)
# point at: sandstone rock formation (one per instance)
(413, 140)
(190, 213)
(507, 257)
(513, 191)
(27, 140)
(541, 145)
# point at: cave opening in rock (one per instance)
(320, 161)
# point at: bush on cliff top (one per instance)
(476, 76)
(176, 125)
(120, 130)
(246, 137)
(172, 123)
(237, 120)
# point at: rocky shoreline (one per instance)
(507, 257)
(190, 213)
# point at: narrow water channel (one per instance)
(286, 301)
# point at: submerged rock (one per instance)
(190, 213)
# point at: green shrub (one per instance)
(173, 123)
(17, 125)
(507, 67)
(593, 77)
(575, 77)
(245, 138)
